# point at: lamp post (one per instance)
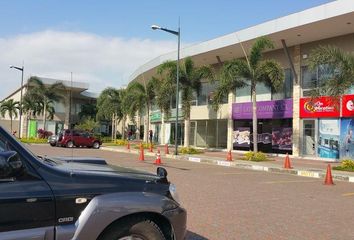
(20, 117)
(178, 34)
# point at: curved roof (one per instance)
(328, 20)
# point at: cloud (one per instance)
(100, 61)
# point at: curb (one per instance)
(314, 173)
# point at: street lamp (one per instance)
(178, 34)
(19, 124)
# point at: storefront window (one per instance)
(274, 135)
(315, 79)
(287, 89)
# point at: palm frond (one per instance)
(271, 73)
(260, 45)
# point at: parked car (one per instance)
(56, 198)
(71, 138)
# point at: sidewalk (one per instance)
(301, 167)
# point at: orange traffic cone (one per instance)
(141, 156)
(329, 179)
(166, 149)
(128, 146)
(229, 156)
(158, 158)
(287, 164)
(151, 149)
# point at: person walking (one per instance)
(150, 135)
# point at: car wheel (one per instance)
(142, 229)
(52, 144)
(70, 144)
(96, 145)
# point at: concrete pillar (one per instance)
(296, 100)
(230, 122)
(24, 126)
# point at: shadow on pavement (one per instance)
(194, 236)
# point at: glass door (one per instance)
(309, 141)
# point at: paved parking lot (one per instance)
(229, 203)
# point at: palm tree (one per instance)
(88, 111)
(254, 68)
(111, 106)
(10, 107)
(31, 106)
(46, 95)
(340, 71)
(190, 79)
(139, 97)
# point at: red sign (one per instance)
(348, 106)
(321, 107)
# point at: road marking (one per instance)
(193, 159)
(241, 173)
(348, 194)
(224, 163)
(291, 181)
(308, 174)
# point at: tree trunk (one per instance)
(254, 116)
(187, 126)
(146, 130)
(45, 116)
(123, 128)
(113, 129)
(11, 124)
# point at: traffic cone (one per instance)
(128, 146)
(150, 148)
(329, 179)
(229, 156)
(158, 158)
(141, 156)
(287, 164)
(167, 151)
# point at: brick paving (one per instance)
(231, 203)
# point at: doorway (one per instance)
(309, 135)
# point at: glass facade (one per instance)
(274, 135)
(209, 133)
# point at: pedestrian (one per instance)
(150, 135)
(130, 135)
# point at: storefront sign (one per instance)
(321, 107)
(348, 106)
(155, 117)
(265, 110)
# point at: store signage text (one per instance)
(319, 107)
(348, 106)
(276, 109)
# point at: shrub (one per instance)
(145, 145)
(346, 165)
(43, 133)
(33, 140)
(189, 150)
(121, 142)
(256, 157)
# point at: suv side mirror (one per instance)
(10, 164)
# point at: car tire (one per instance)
(96, 145)
(70, 144)
(134, 229)
(52, 144)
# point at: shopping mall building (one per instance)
(287, 121)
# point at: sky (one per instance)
(102, 42)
